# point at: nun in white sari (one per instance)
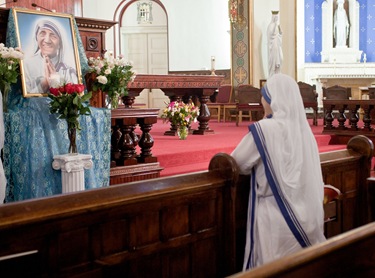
(286, 192)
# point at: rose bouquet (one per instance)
(181, 115)
(68, 102)
(113, 76)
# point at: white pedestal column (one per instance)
(72, 170)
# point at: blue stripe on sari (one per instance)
(250, 259)
(284, 206)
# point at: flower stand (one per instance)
(72, 170)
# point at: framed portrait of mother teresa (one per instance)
(49, 43)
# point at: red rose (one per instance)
(79, 88)
(62, 90)
(54, 91)
(70, 88)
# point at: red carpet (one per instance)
(194, 153)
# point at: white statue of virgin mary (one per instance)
(275, 52)
(340, 25)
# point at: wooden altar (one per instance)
(179, 87)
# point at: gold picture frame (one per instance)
(49, 43)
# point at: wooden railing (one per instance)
(127, 163)
(347, 118)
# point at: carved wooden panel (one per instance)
(92, 43)
(92, 31)
(73, 7)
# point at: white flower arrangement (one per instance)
(113, 76)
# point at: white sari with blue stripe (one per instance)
(286, 194)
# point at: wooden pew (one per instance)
(346, 170)
(348, 255)
(190, 225)
(167, 227)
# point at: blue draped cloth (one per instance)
(33, 136)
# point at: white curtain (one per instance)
(2, 175)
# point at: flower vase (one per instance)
(112, 101)
(5, 92)
(72, 132)
(182, 132)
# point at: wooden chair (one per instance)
(309, 98)
(248, 99)
(335, 92)
(371, 92)
(221, 101)
(371, 95)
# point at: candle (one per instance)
(212, 62)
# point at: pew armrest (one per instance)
(331, 193)
(331, 203)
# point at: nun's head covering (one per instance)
(282, 93)
(49, 25)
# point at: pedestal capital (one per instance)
(72, 162)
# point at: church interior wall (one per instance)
(187, 56)
(194, 35)
(299, 46)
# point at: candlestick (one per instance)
(212, 62)
(364, 62)
(212, 65)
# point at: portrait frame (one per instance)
(65, 60)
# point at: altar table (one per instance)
(179, 87)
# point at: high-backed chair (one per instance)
(371, 95)
(222, 101)
(248, 99)
(336, 92)
(309, 98)
(371, 92)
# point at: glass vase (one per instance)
(111, 102)
(182, 132)
(72, 132)
(5, 93)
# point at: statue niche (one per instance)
(340, 25)
(340, 31)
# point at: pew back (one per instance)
(348, 255)
(167, 227)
